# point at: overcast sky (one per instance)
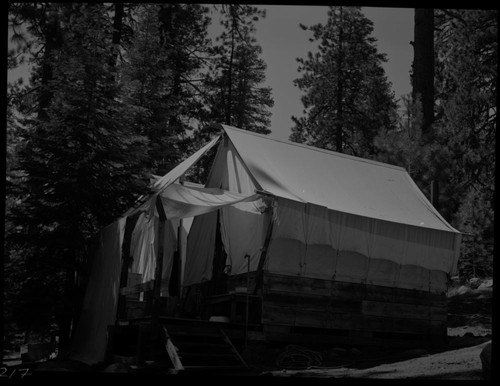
(283, 41)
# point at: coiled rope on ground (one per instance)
(298, 357)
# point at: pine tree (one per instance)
(347, 98)
(458, 150)
(233, 91)
(162, 80)
(466, 79)
(80, 158)
(234, 82)
(402, 145)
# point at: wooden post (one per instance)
(126, 261)
(155, 317)
(263, 254)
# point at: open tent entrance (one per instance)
(148, 257)
(211, 231)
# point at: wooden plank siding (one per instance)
(307, 302)
(299, 309)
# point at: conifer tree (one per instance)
(466, 116)
(234, 82)
(233, 90)
(347, 98)
(461, 154)
(80, 160)
(162, 80)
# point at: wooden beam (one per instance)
(233, 349)
(138, 288)
(172, 351)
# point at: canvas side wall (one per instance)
(315, 242)
(348, 274)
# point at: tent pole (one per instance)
(155, 317)
(260, 267)
(126, 261)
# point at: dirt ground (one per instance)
(469, 331)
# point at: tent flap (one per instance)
(101, 298)
(180, 169)
(181, 201)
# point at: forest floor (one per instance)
(469, 331)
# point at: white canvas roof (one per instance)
(337, 181)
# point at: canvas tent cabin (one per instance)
(310, 242)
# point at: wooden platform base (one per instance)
(317, 337)
(185, 330)
(182, 346)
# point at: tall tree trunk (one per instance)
(117, 33)
(53, 41)
(339, 117)
(423, 78)
(230, 80)
(423, 65)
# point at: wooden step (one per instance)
(195, 336)
(201, 347)
(208, 356)
(218, 368)
(194, 331)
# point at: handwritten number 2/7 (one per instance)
(22, 372)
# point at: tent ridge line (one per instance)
(313, 148)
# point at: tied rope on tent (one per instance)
(297, 357)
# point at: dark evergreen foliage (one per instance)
(162, 80)
(347, 98)
(114, 94)
(233, 91)
(236, 73)
(466, 109)
(79, 163)
(458, 150)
